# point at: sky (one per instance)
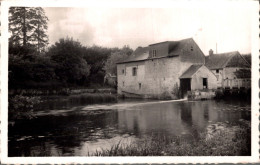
(220, 28)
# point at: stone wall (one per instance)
(162, 74)
(154, 76)
(197, 79)
(219, 76)
(229, 72)
(126, 81)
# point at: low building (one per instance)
(231, 69)
(163, 70)
(110, 80)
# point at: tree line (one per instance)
(67, 63)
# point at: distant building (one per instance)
(226, 67)
(163, 68)
(110, 80)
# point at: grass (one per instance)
(94, 98)
(234, 141)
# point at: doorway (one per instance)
(185, 86)
(205, 83)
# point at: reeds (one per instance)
(226, 143)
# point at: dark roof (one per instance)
(140, 54)
(218, 61)
(190, 71)
(176, 47)
(159, 43)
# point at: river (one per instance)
(65, 128)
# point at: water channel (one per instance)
(74, 128)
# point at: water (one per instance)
(63, 128)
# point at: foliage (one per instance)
(110, 65)
(176, 91)
(28, 27)
(71, 68)
(21, 107)
(26, 70)
(226, 143)
(247, 57)
(243, 73)
(96, 57)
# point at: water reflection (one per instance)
(83, 130)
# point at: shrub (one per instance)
(22, 107)
(176, 91)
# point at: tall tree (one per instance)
(28, 28)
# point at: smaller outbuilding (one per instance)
(197, 77)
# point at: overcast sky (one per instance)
(229, 27)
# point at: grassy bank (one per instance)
(92, 98)
(233, 141)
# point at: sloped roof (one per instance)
(218, 61)
(140, 54)
(190, 71)
(176, 47)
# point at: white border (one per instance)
(129, 4)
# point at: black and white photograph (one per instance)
(129, 80)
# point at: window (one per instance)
(134, 71)
(140, 85)
(191, 48)
(123, 83)
(153, 53)
(217, 71)
(123, 71)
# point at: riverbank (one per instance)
(230, 140)
(24, 107)
(58, 92)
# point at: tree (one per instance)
(28, 28)
(243, 73)
(36, 72)
(110, 65)
(68, 56)
(247, 57)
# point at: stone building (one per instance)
(164, 69)
(226, 67)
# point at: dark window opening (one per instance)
(205, 83)
(123, 71)
(134, 71)
(153, 53)
(123, 83)
(140, 85)
(217, 71)
(191, 48)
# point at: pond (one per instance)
(72, 128)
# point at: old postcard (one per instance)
(129, 81)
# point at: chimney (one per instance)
(210, 52)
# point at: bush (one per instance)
(176, 91)
(21, 107)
